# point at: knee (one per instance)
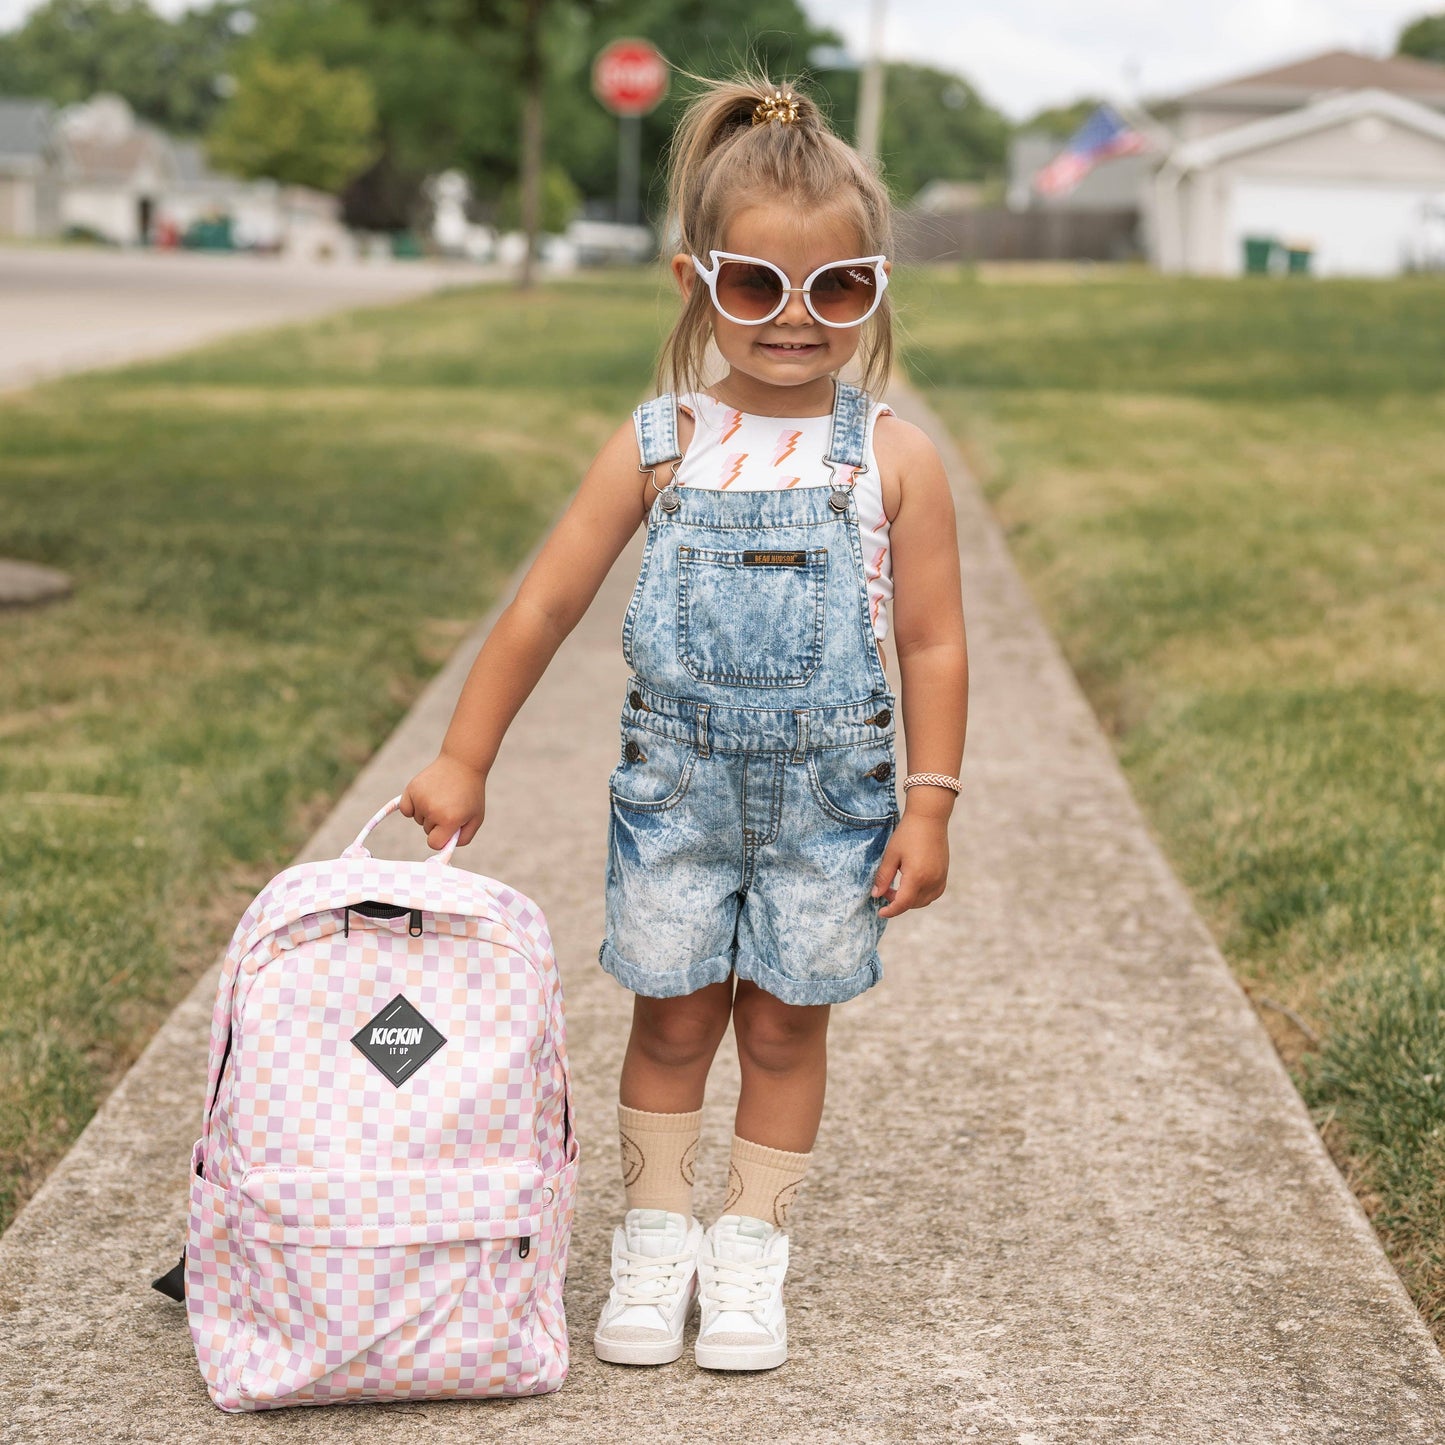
(776, 1037)
(677, 1033)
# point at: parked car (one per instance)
(602, 243)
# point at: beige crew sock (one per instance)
(659, 1158)
(763, 1183)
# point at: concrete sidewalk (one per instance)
(1064, 1191)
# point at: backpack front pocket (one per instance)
(752, 616)
(388, 1284)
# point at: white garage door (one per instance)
(1356, 230)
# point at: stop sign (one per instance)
(629, 77)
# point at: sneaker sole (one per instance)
(648, 1352)
(634, 1352)
(740, 1357)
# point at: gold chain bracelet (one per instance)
(940, 779)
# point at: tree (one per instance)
(297, 122)
(439, 105)
(168, 71)
(1424, 38)
(561, 200)
(512, 31)
(707, 37)
(936, 126)
(1063, 120)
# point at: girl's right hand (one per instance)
(446, 795)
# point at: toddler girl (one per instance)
(755, 844)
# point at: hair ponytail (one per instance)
(731, 146)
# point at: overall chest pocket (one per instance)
(751, 615)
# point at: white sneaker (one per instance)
(654, 1282)
(740, 1277)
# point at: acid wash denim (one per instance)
(755, 791)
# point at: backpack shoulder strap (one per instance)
(656, 424)
(849, 440)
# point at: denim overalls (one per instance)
(755, 793)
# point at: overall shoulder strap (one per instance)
(656, 423)
(849, 439)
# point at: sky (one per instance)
(1026, 54)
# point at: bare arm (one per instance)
(932, 651)
(558, 589)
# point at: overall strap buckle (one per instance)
(848, 440)
(656, 425)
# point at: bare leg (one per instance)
(671, 1048)
(783, 1050)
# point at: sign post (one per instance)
(629, 78)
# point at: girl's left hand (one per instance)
(918, 848)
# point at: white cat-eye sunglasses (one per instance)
(750, 291)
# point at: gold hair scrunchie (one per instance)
(778, 106)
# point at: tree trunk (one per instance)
(531, 159)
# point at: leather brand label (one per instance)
(775, 559)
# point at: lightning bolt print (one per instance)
(787, 445)
(732, 468)
(735, 420)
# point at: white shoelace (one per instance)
(650, 1279)
(745, 1285)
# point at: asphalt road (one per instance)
(76, 309)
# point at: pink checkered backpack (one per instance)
(381, 1196)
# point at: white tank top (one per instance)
(744, 452)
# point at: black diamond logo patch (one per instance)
(398, 1041)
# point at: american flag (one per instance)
(1106, 133)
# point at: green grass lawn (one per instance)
(274, 543)
(1229, 501)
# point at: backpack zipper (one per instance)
(370, 909)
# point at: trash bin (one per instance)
(1299, 254)
(1259, 255)
(209, 233)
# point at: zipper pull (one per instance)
(524, 1246)
(415, 927)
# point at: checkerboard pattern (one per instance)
(354, 1240)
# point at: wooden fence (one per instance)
(997, 234)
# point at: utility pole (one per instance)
(870, 94)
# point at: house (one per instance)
(263, 215)
(29, 170)
(116, 169)
(1338, 154)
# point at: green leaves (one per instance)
(297, 122)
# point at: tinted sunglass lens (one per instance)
(747, 292)
(845, 293)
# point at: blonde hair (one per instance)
(718, 159)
